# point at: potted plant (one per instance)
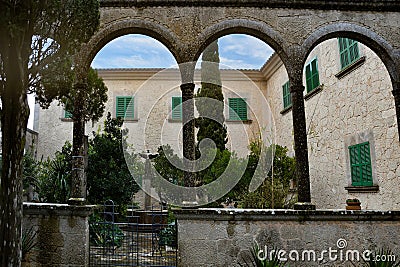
(353, 204)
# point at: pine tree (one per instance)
(210, 123)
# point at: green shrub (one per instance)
(28, 241)
(51, 179)
(168, 235)
(104, 234)
(273, 192)
(108, 176)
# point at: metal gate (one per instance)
(132, 242)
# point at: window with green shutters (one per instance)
(238, 109)
(176, 113)
(125, 107)
(360, 162)
(67, 114)
(287, 98)
(348, 50)
(312, 76)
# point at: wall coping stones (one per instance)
(284, 215)
(378, 5)
(48, 209)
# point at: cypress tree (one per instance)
(210, 122)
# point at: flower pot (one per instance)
(353, 206)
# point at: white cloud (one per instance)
(134, 51)
(227, 63)
(134, 61)
(252, 51)
(140, 51)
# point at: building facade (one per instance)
(350, 115)
(351, 124)
(150, 100)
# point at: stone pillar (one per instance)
(78, 186)
(300, 147)
(188, 132)
(60, 233)
(148, 175)
(396, 95)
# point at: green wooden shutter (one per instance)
(129, 109)
(120, 112)
(287, 98)
(360, 161)
(238, 109)
(312, 75)
(67, 114)
(242, 109)
(348, 50)
(125, 107)
(176, 108)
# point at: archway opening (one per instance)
(351, 123)
(237, 69)
(246, 70)
(133, 51)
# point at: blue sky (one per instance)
(237, 51)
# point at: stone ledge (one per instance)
(284, 215)
(286, 110)
(362, 189)
(174, 120)
(239, 121)
(314, 92)
(48, 209)
(348, 69)
(379, 5)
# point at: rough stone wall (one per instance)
(53, 132)
(294, 25)
(220, 238)
(357, 103)
(62, 235)
(186, 28)
(31, 142)
(283, 122)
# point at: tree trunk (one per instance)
(14, 118)
(78, 186)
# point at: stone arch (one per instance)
(120, 28)
(256, 29)
(375, 42)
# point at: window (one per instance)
(238, 109)
(360, 162)
(125, 107)
(67, 114)
(312, 76)
(176, 113)
(348, 50)
(287, 98)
